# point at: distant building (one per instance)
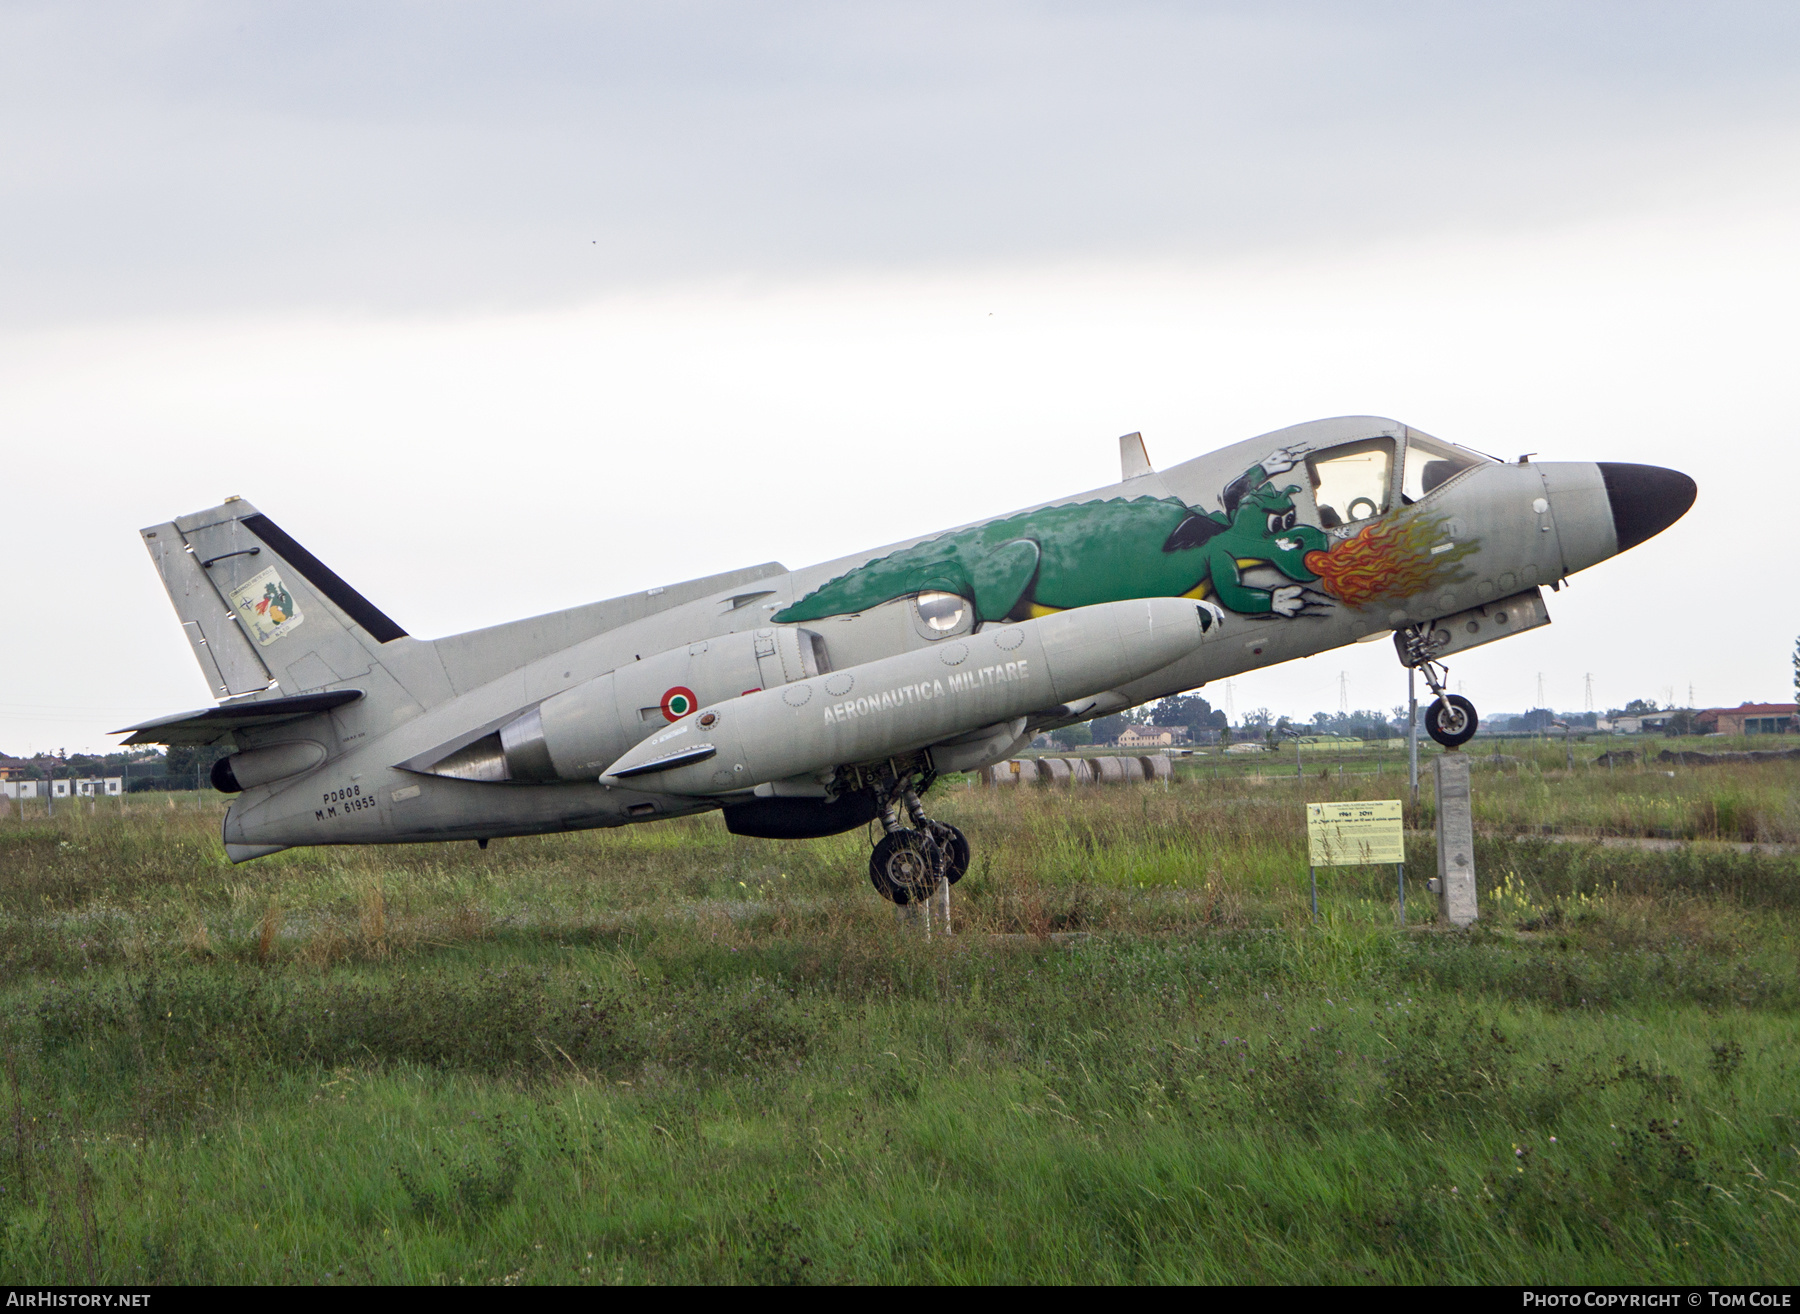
(1648, 723)
(87, 787)
(1749, 719)
(1152, 736)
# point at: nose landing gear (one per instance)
(1451, 718)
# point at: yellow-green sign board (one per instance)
(1355, 834)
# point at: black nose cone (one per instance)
(1646, 499)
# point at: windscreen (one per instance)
(1429, 464)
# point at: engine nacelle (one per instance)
(576, 734)
(262, 766)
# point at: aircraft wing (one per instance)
(215, 723)
(474, 658)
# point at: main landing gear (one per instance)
(909, 865)
(1451, 718)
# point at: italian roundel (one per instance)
(678, 702)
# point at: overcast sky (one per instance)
(503, 308)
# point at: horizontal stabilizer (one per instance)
(213, 724)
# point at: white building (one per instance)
(1648, 723)
(88, 787)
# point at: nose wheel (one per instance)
(1451, 718)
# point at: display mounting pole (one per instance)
(1412, 734)
(1400, 875)
(1312, 879)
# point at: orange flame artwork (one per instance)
(1390, 560)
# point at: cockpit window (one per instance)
(1429, 464)
(1350, 483)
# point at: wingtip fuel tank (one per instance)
(901, 704)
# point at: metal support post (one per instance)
(929, 914)
(1312, 879)
(1400, 875)
(1412, 734)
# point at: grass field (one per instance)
(667, 1054)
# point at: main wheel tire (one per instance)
(953, 848)
(1451, 720)
(904, 866)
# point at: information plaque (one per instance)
(1355, 834)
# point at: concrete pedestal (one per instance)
(1455, 840)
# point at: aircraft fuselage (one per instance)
(1287, 545)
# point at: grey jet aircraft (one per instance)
(810, 702)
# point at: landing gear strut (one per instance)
(1451, 718)
(908, 865)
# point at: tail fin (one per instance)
(267, 619)
(264, 615)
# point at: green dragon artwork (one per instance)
(1059, 557)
